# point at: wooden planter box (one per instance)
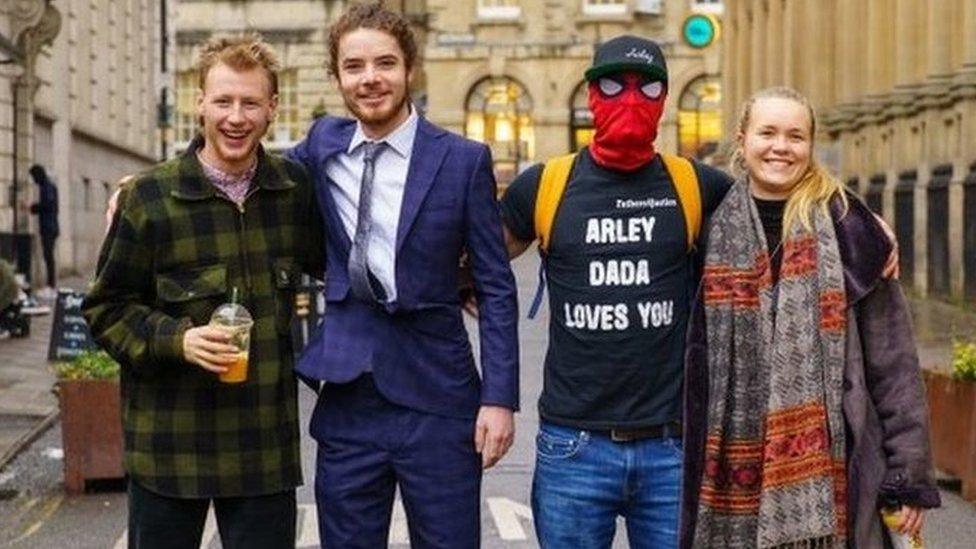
(952, 420)
(91, 432)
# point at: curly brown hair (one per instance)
(372, 16)
(240, 52)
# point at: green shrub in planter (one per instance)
(88, 365)
(964, 361)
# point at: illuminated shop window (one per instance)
(580, 118)
(700, 117)
(499, 113)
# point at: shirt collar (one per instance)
(400, 140)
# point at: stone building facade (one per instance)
(894, 82)
(510, 72)
(83, 81)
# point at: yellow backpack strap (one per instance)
(555, 174)
(689, 194)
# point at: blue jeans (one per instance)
(583, 481)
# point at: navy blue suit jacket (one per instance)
(418, 347)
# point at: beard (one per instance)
(380, 116)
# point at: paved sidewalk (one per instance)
(27, 404)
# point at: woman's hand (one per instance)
(911, 520)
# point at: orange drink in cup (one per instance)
(236, 321)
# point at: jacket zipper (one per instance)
(242, 252)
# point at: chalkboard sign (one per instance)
(69, 332)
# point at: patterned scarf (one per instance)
(774, 472)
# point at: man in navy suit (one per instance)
(403, 404)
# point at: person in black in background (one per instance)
(46, 210)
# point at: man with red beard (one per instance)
(621, 277)
(223, 219)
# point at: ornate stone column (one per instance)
(34, 24)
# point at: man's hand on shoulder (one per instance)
(209, 348)
(494, 433)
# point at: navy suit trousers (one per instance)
(368, 446)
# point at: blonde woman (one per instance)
(804, 407)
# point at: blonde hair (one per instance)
(816, 187)
(240, 52)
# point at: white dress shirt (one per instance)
(345, 171)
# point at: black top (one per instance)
(771, 217)
(620, 281)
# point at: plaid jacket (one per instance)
(176, 250)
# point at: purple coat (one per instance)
(885, 413)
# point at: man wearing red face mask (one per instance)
(620, 279)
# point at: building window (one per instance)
(716, 7)
(604, 7)
(652, 7)
(700, 117)
(185, 113)
(498, 112)
(499, 9)
(581, 118)
(288, 128)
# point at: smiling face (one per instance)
(776, 146)
(236, 108)
(373, 79)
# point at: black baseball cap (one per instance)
(628, 53)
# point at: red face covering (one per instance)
(626, 126)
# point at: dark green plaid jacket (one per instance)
(176, 249)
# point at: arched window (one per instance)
(700, 117)
(581, 119)
(498, 112)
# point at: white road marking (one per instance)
(506, 514)
(308, 526)
(399, 535)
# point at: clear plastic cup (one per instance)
(236, 321)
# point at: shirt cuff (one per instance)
(168, 342)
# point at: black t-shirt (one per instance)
(620, 281)
(771, 217)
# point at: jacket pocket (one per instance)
(192, 293)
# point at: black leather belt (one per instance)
(664, 430)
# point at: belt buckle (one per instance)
(623, 435)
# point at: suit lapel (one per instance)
(334, 144)
(425, 160)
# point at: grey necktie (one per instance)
(358, 255)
